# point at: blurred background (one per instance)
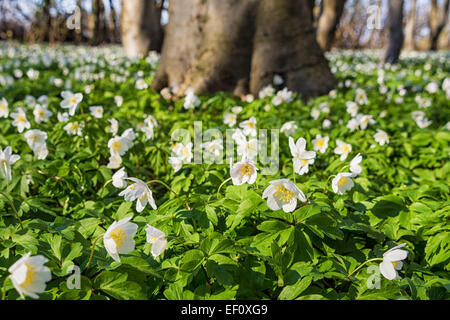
(98, 22)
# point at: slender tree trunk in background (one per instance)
(410, 27)
(141, 29)
(396, 36)
(238, 46)
(438, 19)
(96, 18)
(328, 21)
(114, 29)
(46, 21)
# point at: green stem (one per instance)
(13, 207)
(169, 188)
(220, 187)
(293, 172)
(326, 183)
(345, 167)
(106, 183)
(4, 288)
(363, 264)
(92, 251)
(6, 176)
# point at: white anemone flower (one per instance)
(342, 182)
(119, 238)
(320, 143)
(96, 111)
(392, 261)
(114, 161)
(342, 149)
(249, 127)
(352, 108)
(381, 137)
(118, 145)
(289, 128)
(7, 159)
(114, 128)
(20, 120)
(283, 194)
(176, 163)
(184, 152)
(74, 128)
(355, 164)
(139, 191)
(70, 101)
(243, 172)
(230, 119)
(365, 120)
(35, 137)
(300, 157)
(41, 114)
(4, 111)
(236, 109)
(29, 275)
(119, 179)
(158, 240)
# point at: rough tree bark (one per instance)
(410, 28)
(238, 46)
(438, 19)
(396, 36)
(331, 12)
(141, 29)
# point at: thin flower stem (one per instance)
(179, 240)
(6, 176)
(13, 207)
(345, 167)
(293, 172)
(169, 188)
(363, 264)
(326, 182)
(4, 287)
(104, 186)
(92, 251)
(220, 187)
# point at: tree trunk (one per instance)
(141, 28)
(238, 46)
(396, 36)
(331, 13)
(438, 19)
(410, 27)
(47, 20)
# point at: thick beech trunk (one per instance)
(141, 29)
(238, 46)
(396, 36)
(331, 12)
(438, 19)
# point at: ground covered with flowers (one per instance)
(97, 200)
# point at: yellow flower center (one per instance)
(31, 275)
(342, 181)
(320, 143)
(251, 125)
(21, 119)
(304, 162)
(41, 113)
(345, 149)
(2, 106)
(117, 145)
(395, 264)
(119, 237)
(73, 100)
(246, 170)
(154, 239)
(283, 194)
